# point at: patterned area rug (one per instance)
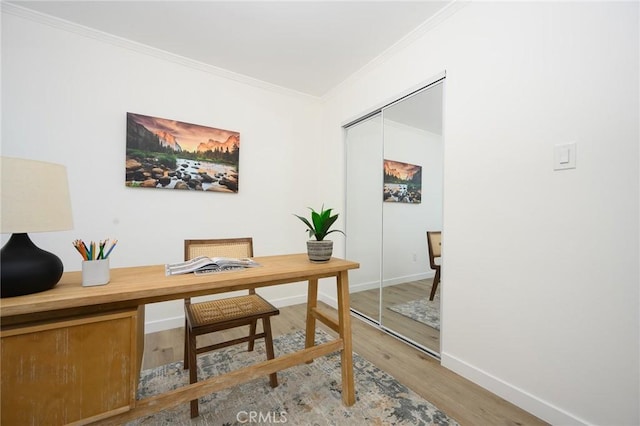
(422, 310)
(308, 394)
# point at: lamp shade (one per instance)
(34, 196)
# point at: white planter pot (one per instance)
(319, 251)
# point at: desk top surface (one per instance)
(148, 284)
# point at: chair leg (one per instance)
(193, 372)
(186, 344)
(252, 333)
(268, 343)
(434, 287)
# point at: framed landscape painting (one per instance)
(402, 182)
(170, 154)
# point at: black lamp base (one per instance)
(27, 269)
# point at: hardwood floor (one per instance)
(468, 403)
(368, 303)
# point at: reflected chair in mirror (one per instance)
(434, 242)
(224, 314)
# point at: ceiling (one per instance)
(306, 46)
(422, 110)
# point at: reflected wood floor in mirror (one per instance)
(366, 302)
(461, 399)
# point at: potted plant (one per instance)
(320, 250)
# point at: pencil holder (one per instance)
(95, 272)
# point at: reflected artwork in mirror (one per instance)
(402, 182)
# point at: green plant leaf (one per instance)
(320, 223)
(306, 222)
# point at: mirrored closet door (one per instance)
(363, 215)
(394, 196)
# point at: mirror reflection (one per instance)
(363, 214)
(394, 198)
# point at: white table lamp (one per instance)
(35, 198)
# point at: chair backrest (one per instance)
(434, 242)
(227, 247)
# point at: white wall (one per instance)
(540, 277)
(65, 98)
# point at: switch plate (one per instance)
(564, 156)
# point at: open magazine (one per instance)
(208, 265)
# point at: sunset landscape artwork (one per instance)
(402, 182)
(170, 154)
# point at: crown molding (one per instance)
(443, 14)
(144, 49)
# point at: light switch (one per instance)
(565, 156)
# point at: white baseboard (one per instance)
(355, 288)
(331, 301)
(513, 394)
(408, 278)
(521, 398)
(163, 324)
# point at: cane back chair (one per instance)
(223, 314)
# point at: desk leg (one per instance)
(312, 302)
(344, 322)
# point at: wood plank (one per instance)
(67, 322)
(344, 321)
(312, 301)
(148, 284)
(325, 319)
(368, 303)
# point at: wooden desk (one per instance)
(69, 305)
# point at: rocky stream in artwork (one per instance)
(188, 174)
